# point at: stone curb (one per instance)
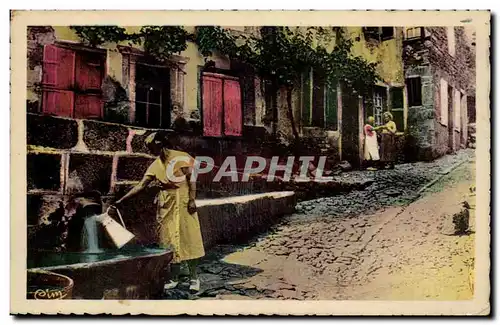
(441, 176)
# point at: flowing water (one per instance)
(90, 236)
(49, 258)
(91, 252)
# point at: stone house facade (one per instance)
(330, 119)
(89, 110)
(439, 67)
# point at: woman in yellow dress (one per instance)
(178, 224)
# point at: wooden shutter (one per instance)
(232, 108)
(58, 102)
(212, 106)
(88, 106)
(89, 73)
(58, 67)
(331, 107)
(397, 107)
(50, 65)
(58, 79)
(306, 99)
(318, 100)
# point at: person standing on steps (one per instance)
(371, 144)
(178, 223)
(388, 141)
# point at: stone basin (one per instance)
(128, 273)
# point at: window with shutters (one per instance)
(319, 102)
(72, 82)
(221, 105)
(397, 107)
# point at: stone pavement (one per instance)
(334, 247)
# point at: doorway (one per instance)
(350, 127)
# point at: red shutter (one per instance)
(212, 106)
(58, 102)
(88, 76)
(88, 106)
(89, 71)
(58, 67)
(58, 73)
(50, 65)
(232, 108)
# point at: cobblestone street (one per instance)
(371, 244)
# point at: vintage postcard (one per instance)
(236, 163)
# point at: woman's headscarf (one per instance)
(159, 138)
(389, 114)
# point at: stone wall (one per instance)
(420, 123)
(430, 59)
(459, 71)
(459, 68)
(66, 156)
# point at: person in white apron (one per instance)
(371, 153)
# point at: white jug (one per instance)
(118, 233)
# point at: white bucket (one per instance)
(118, 233)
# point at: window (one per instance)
(397, 107)
(319, 102)
(152, 96)
(413, 33)
(72, 82)
(414, 86)
(378, 33)
(387, 33)
(222, 111)
(456, 109)
(443, 87)
(451, 40)
(378, 106)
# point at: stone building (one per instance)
(89, 110)
(439, 67)
(330, 120)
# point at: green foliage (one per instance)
(163, 41)
(98, 35)
(280, 55)
(159, 41)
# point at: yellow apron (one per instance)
(177, 228)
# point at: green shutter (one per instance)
(331, 107)
(198, 95)
(306, 99)
(397, 107)
(396, 97)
